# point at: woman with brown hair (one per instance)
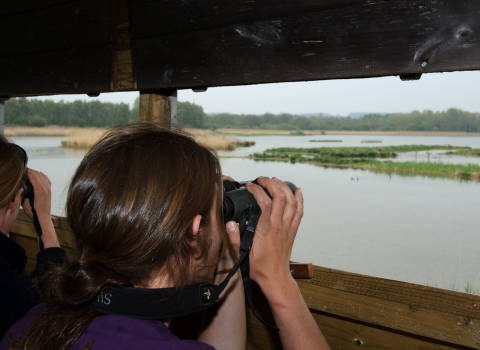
(18, 293)
(145, 205)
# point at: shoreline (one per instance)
(261, 132)
(67, 131)
(403, 133)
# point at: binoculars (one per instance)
(236, 199)
(27, 190)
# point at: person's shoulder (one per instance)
(18, 330)
(121, 332)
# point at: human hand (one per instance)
(276, 230)
(43, 202)
(43, 195)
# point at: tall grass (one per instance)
(15, 131)
(85, 138)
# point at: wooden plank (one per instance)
(301, 270)
(159, 106)
(79, 70)
(394, 315)
(12, 7)
(382, 38)
(58, 221)
(345, 334)
(188, 16)
(440, 39)
(125, 71)
(414, 295)
(24, 227)
(66, 26)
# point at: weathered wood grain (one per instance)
(391, 307)
(397, 316)
(125, 71)
(159, 106)
(24, 226)
(346, 334)
(78, 70)
(395, 37)
(414, 295)
(66, 26)
(187, 44)
(188, 16)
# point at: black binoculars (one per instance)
(236, 199)
(27, 190)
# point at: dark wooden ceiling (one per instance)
(92, 46)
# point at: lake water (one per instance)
(414, 229)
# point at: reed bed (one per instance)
(219, 142)
(85, 138)
(15, 131)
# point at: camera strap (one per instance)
(36, 222)
(247, 231)
(163, 303)
(38, 230)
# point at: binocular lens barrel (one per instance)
(237, 200)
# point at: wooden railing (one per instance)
(353, 311)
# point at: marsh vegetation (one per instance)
(85, 138)
(368, 158)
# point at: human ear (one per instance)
(16, 200)
(194, 229)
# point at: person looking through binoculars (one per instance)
(145, 206)
(18, 293)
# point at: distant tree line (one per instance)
(32, 112)
(450, 120)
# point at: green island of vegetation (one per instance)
(366, 158)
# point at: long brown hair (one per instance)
(130, 205)
(12, 170)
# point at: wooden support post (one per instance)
(159, 106)
(2, 116)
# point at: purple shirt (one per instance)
(117, 332)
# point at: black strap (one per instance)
(164, 303)
(38, 230)
(247, 231)
(155, 304)
(36, 222)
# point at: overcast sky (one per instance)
(436, 91)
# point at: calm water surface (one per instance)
(413, 229)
